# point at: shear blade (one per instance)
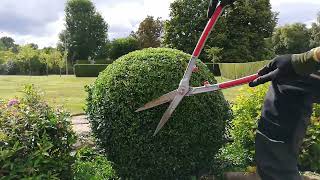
(168, 112)
(161, 100)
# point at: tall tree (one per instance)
(315, 33)
(241, 31)
(293, 38)
(149, 32)
(2, 46)
(26, 55)
(187, 21)
(86, 30)
(33, 45)
(248, 26)
(8, 42)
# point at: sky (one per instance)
(40, 21)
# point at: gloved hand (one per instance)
(280, 70)
(212, 7)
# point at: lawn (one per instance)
(231, 93)
(65, 90)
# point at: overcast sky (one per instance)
(40, 21)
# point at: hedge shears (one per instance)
(184, 89)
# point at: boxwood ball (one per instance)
(187, 143)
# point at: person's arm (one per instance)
(289, 67)
(306, 63)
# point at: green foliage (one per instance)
(122, 46)
(247, 26)
(187, 143)
(239, 154)
(7, 43)
(293, 38)
(185, 26)
(238, 70)
(86, 30)
(29, 60)
(315, 33)
(310, 154)
(91, 165)
(88, 70)
(149, 32)
(36, 140)
(214, 53)
(241, 32)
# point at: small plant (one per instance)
(35, 139)
(91, 165)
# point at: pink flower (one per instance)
(13, 102)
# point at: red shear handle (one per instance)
(238, 82)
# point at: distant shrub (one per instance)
(88, 70)
(122, 46)
(90, 164)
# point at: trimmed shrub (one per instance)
(187, 143)
(88, 70)
(239, 70)
(35, 139)
(239, 155)
(92, 165)
(122, 46)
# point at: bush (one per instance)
(187, 143)
(92, 165)
(96, 61)
(35, 139)
(122, 46)
(239, 155)
(88, 70)
(9, 68)
(238, 70)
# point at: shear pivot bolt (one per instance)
(195, 69)
(206, 83)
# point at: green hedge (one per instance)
(238, 70)
(97, 61)
(88, 70)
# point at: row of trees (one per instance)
(28, 59)
(244, 33)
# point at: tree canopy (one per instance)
(149, 32)
(241, 31)
(293, 38)
(86, 31)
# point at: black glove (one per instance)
(212, 7)
(280, 70)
